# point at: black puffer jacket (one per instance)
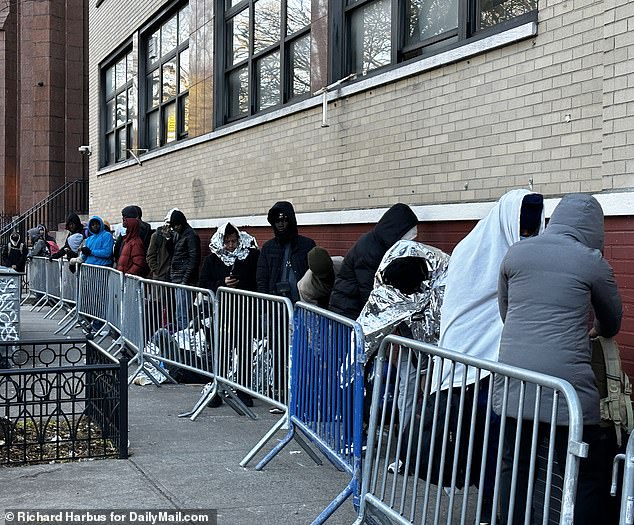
(270, 261)
(186, 258)
(356, 277)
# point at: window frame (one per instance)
(468, 30)
(124, 52)
(223, 70)
(145, 85)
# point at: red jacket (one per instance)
(132, 257)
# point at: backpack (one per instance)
(614, 386)
(52, 247)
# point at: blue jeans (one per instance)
(183, 307)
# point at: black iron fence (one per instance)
(61, 400)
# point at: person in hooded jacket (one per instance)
(185, 263)
(159, 253)
(145, 230)
(356, 277)
(132, 257)
(284, 259)
(14, 254)
(97, 248)
(232, 262)
(547, 287)
(317, 283)
(74, 226)
(39, 243)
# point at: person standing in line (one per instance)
(132, 258)
(159, 253)
(356, 278)
(184, 265)
(284, 259)
(547, 287)
(14, 254)
(233, 263)
(470, 322)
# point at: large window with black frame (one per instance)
(118, 109)
(266, 52)
(379, 33)
(167, 79)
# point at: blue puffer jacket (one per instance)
(100, 245)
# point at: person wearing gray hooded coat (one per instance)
(548, 286)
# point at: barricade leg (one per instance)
(260, 444)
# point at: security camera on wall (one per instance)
(85, 150)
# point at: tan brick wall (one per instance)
(555, 109)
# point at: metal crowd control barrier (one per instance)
(37, 281)
(54, 286)
(626, 516)
(326, 396)
(450, 441)
(253, 333)
(69, 292)
(172, 324)
(98, 299)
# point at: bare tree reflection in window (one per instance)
(300, 66)
(238, 35)
(297, 15)
(494, 12)
(169, 80)
(268, 69)
(371, 32)
(168, 36)
(183, 24)
(183, 77)
(238, 92)
(267, 24)
(428, 18)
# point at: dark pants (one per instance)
(593, 485)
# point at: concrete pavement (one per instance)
(176, 463)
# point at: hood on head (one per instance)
(74, 222)
(97, 219)
(395, 223)
(581, 216)
(504, 218)
(15, 237)
(287, 209)
(131, 227)
(176, 217)
(36, 233)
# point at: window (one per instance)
(117, 109)
(167, 80)
(378, 33)
(266, 53)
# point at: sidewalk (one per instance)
(179, 464)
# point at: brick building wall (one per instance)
(550, 109)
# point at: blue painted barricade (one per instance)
(326, 395)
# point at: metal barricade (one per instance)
(98, 298)
(54, 286)
(427, 448)
(175, 327)
(69, 294)
(626, 516)
(37, 281)
(326, 396)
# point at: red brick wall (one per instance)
(619, 251)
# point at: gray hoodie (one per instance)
(547, 289)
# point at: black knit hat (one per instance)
(177, 217)
(130, 212)
(531, 214)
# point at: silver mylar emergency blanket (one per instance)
(387, 307)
